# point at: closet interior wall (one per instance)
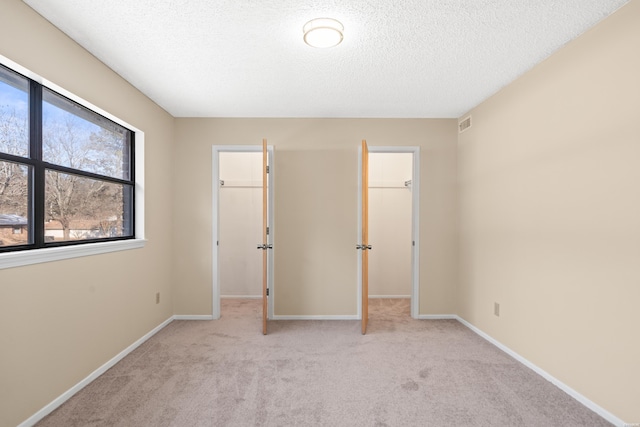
(240, 262)
(390, 224)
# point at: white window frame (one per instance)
(36, 256)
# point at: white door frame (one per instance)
(215, 174)
(415, 223)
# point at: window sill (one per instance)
(37, 256)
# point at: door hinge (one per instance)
(217, 242)
(267, 231)
(267, 291)
(267, 169)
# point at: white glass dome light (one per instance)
(323, 32)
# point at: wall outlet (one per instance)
(496, 309)
(157, 297)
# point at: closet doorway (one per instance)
(393, 228)
(238, 225)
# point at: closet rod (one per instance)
(240, 184)
(389, 184)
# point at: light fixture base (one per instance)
(323, 33)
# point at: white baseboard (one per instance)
(317, 317)
(193, 317)
(437, 317)
(390, 296)
(562, 386)
(32, 420)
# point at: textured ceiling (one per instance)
(246, 58)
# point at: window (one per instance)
(66, 173)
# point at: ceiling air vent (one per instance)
(464, 124)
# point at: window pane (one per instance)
(79, 208)
(14, 204)
(14, 113)
(78, 138)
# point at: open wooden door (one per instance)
(365, 247)
(265, 242)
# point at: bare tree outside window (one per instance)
(79, 207)
(14, 177)
(14, 204)
(84, 208)
(78, 139)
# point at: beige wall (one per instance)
(550, 215)
(390, 224)
(60, 321)
(315, 229)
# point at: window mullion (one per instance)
(37, 186)
(131, 203)
(79, 172)
(16, 159)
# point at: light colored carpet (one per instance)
(404, 372)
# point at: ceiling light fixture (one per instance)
(323, 32)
